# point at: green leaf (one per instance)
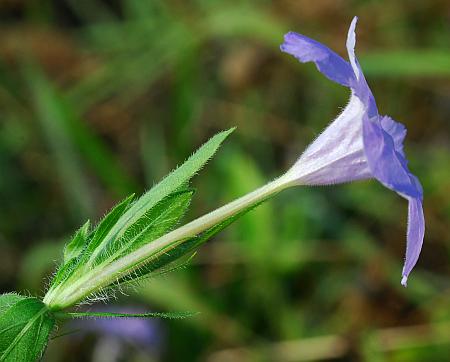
(71, 138)
(6, 300)
(156, 222)
(25, 327)
(166, 315)
(49, 112)
(78, 243)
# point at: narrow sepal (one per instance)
(165, 315)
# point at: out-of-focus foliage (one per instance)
(111, 95)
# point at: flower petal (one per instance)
(337, 155)
(388, 166)
(416, 232)
(351, 42)
(383, 137)
(396, 130)
(305, 49)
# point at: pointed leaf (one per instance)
(110, 237)
(64, 271)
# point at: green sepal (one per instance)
(187, 247)
(165, 315)
(91, 240)
(159, 220)
(170, 184)
(108, 222)
(74, 248)
(178, 177)
(110, 240)
(25, 328)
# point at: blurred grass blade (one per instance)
(242, 20)
(71, 137)
(51, 114)
(407, 63)
(153, 152)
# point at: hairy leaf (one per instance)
(25, 327)
(6, 300)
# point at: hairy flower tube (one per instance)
(360, 143)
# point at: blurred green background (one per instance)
(99, 99)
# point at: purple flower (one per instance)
(360, 143)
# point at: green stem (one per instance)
(99, 278)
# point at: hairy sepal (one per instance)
(74, 248)
(79, 249)
(157, 221)
(133, 223)
(97, 315)
(172, 259)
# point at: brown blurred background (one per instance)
(99, 99)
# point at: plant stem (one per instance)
(99, 278)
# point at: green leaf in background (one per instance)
(407, 63)
(25, 327)
(70, 138)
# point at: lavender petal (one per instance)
(305, 49)
(415, 235)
